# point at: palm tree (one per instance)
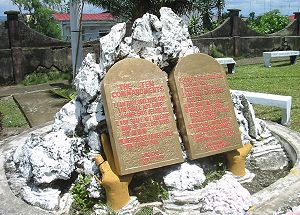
(220, 4)
(205, 9)
(129, 10)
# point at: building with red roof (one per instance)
(291, 17)
(93, 25)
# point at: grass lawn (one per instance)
(12, 116)
(282, 78)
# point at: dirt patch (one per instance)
(264, 178)
(7, 132)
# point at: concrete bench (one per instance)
(229, 62)
(283, 102)
(268, 55)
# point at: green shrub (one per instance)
(82, 201)
(151, 191)
(68, 93)
(214, 175)
(215, 53)
(268, 23)
(145, 211)
(1, 118)
(194, 26)
(44, 77)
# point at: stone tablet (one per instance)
(204, 107)
(140, 117)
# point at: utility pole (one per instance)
(76, 34)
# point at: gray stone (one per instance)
(154, 55)
(248, 113)
(175, 39)
(158, 41)
(250, 126)
(47, 199)
(55, 158)
(186, 177)
(110, 44)
(21, 157)
(94, 141)
(242, 121)
(225, 196)
(45, 159)
(125, 49)
(129, 209)
(95, 190)
(87, 81)
(91, 121)
(157, 211)
(94, 115)
(272, 161)
(142, 30)
(68, 117)
(268, 154)
(41, 160)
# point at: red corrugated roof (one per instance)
(85, 16)
(291, 17)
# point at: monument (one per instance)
(140, 118)
(203, 106)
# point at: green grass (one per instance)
(46, 77)
(68, 93)
(282, 79)
(12, 116)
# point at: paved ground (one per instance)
(19, 89)
(36, 102)
(39, 107)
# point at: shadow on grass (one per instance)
(60, 85)
(282, 65)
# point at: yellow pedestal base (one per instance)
(237, 158)
(116, 187)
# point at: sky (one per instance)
(286, 7)
(7, 5)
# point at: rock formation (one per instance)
(35, 169)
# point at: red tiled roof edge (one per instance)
(291, 17)
(85, 16)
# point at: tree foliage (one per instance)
(129, 10)
(268, 23)
(201, 15)
(40, 15)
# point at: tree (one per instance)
(220, 4)
(206, 10)
(201, 15)
(40, 15)
(129, 10)
(268, 23)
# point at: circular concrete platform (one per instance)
(10, 204)
(268, 199)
